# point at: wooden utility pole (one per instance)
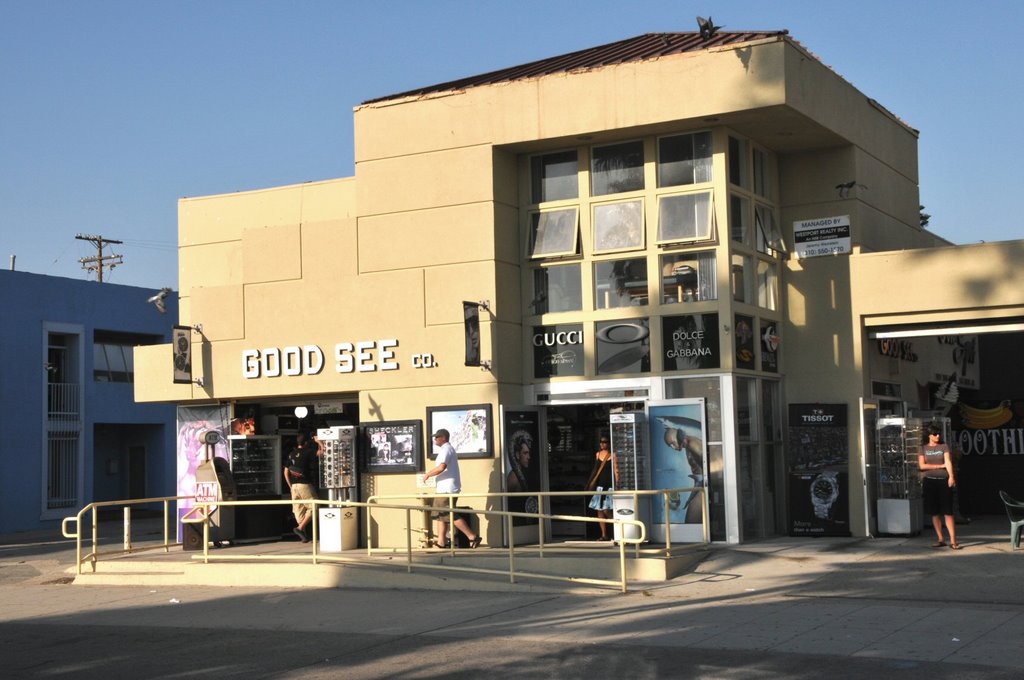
(100, 261)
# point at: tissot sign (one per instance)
(365, 356)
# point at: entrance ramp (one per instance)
(288, 564)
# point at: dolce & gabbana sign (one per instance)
(364, 356)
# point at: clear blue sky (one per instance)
(111, 110)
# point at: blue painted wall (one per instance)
(111, 420)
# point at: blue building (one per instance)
(71, 430)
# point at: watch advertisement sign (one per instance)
(819, 503)
(557, 350)
(690, 341)
(769, 347)
(744, 334)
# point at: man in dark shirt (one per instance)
(300, 474)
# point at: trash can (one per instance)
(339, 529)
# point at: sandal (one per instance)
(939, 544)
(475, 543)
(955, 546)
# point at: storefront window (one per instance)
(688, 277)
(684, 159)
(554, 232)
(619, 226)
(620, 283)
(623, 346)
(746, 409)
(553, 176)
(762, 177)
(558, 350)
(769, 238)
(738, 173)
(739, 219)
(684, 217)
(741, 264)
(617, 168)
(557, 289)
(710, 390)
(767, 284)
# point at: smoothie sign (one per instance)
(359, 357)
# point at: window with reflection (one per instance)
(617, 168)
(684, 159)
(738, 172)
(554, 176)
(554, 232)
(739, 219)
(769, 237)
(557, 289)
(767, 285)
(620, 283)
(741, 281)
(684, 217)
(113, 362)
(688, 277)
(619, 226)
(762, 176)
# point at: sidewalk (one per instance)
(786, 607)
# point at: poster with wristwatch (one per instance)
(818, 456)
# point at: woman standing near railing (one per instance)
(601, 480)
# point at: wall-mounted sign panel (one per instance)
(823, 236)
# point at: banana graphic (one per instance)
(986, 418)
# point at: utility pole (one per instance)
(100, 261)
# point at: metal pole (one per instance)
(95, 537)
(511, 552)
(668, 525)
(408, 540)
(127, 528)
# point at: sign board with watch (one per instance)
(819, 502)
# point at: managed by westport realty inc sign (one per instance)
(823, 236)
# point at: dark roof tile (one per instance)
(646, 46)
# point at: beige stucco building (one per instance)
(656, 220)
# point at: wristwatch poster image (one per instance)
(819, 503)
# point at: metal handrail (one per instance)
(374, 503)
(318, 556)
(540, 495)
(127, 547)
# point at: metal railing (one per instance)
(635, 495)
(623, 537)
(127, 547)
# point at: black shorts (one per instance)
(936, 496)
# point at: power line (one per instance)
(97, 263)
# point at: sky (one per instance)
(112, 110)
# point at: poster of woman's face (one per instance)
(192, 421)
(521, 450)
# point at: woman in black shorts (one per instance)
(937, 486)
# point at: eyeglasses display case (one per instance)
(898, 442)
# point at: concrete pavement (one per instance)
(787, 607)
